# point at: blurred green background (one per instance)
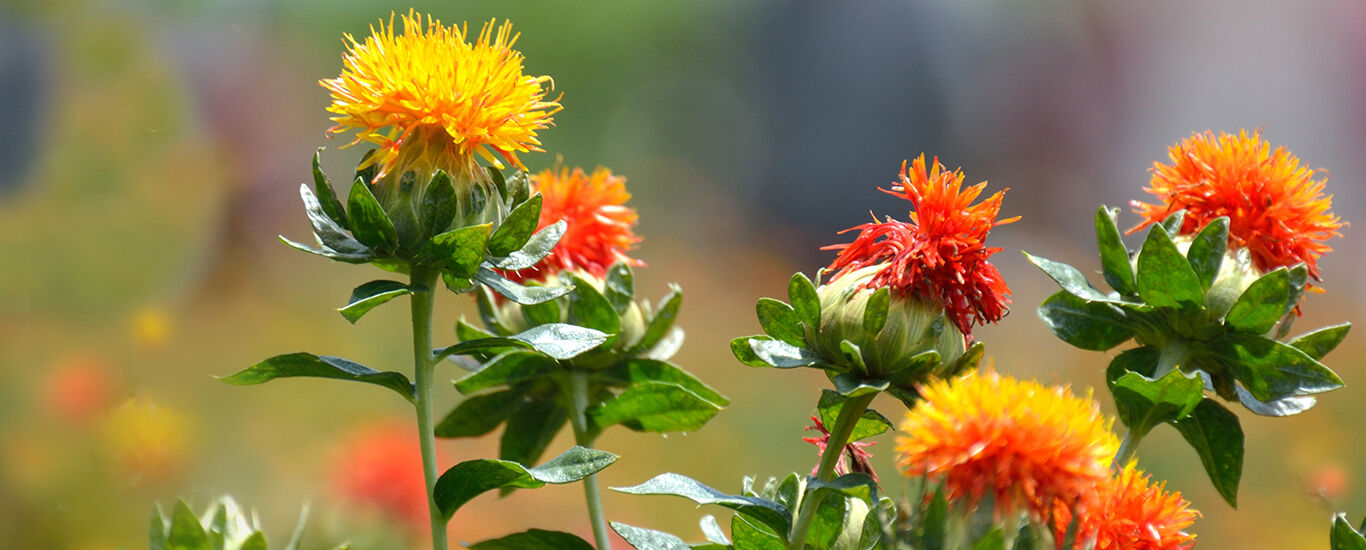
(152, 152)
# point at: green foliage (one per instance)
(1344, 537)
(319, 366)
(1215, 434)
(535, 539)
(369, 296)
(771, 514)
(223, 526)
(870, 424)
(648, 539)
(469, 479)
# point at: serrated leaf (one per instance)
(776, 353)
(648, 539)
(439, 207)
(662, 320)
(479, 414)
(780, 321)
(525, 295)
(589, 308)
(1143, 403)
(1206, 253)
(516, 228)
(770, 513)
(1095, 326)
(508, 368)
(319, 366)
(536, 248)
(801, 292)
(1067, 277)
(655, 407)
(469, 479)
(460, 250)
(369, 296)
(1270, 369)
(1262, 304)
(1165, 278)
(327, 197)
(1141, 360)
(619, 287)
(1320, 342)
(369, 223)
(871, 423)
(535, 539)
(1114, 256)
(1217, 437)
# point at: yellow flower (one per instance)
(429, 98)
(1029, 445)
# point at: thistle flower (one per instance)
(600, 225)
(428, 97)
(1276, 209)
(855, 457)
(940, 255)
(1131, 513)
(1030, 446)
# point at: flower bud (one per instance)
(913, 325)
(408, 190)
(633, 323)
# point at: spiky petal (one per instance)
(940, 255)
(601, 228)
(1131, 513)
(854, 458)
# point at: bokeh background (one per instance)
(152, 151)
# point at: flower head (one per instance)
(1131, 513)
(940, 255)
(600, 225)
(78, 389)
(1276, 209)
(854, 458)
(147, 440)
(379, 466)
(432, 93)
(1030, 446)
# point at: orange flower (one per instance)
(432, 88)
(1275, 208)
(78, 389)
(1130, 513)
(940, 255)
(379, 466)
(600, 225)
(1029, 445)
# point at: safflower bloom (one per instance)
(1276, 208)
(1132, 513)
(433, 98)
(940, 255)
(600, 225)
(1031, 446)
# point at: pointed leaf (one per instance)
(525, 295)
(619, 287)
(1320, 342)
(1262, 304)
(871, 423)
(469, 479)
(508, 368)
(369, 296)
(572, 465)
(536, 248)
(1270, 369)
(1172, 225)
(770, 513)
(369, 223)
(459, 250)
(257, 541)
(479, 414)
(1344, 537)
(1067, 277)
(851, 385)
(186, 532)
(802, 293)
(156, 530)
(1143, 403)
(1114, 256)
(439, 207)
(589, 308)
(535, 539)
(712, 530)
(649, 370)
(327, 197)
(875, 313)
(1095, 326)
(516, 228)
(328, 233)
(1165, 278)
(780, 354)
(1286, 406)
(780, 321)
(1138, 360)
(319, 366)
(1217, 437)
(1206, 254)
(662, 320)
(561, 340)
(648, 539)
(655, 407)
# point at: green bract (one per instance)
(223, 526)
(865, 340)
(1205, 321)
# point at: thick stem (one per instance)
(1172, 355)
(578, 399)
(1128, 447)
(424, 365)
(850, 413)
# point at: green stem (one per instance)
(850, 413)
(1128, 447)
(424, 367)
(1172, 355)
(578, 397)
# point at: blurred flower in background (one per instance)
(148, 443)
(79, 389)
(377, 468)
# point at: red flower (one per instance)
(940, 255)
(601, 226)
(379, 466)
(1132, 513)
(1275, 208)
(854, 458)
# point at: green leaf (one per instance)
(1095, 326)
(1262, 304)
(488, 311)
(479, 414)
(589, 308)
(655, 407)
(650, 370)
(479, 346)
(531, 429)
(648, 539)
(1217, 437)
(875, 313)
(936, 520)
(1172, 225)
(1138, 360)
(857, 485)
(332, 236)
(852, 385)
(1114, 256)
(1286, 406)
(535, 539)
(439, 207)
(319, 366)
(994, 540)
(327, 197)
(776, 353)
(619, 287)
(770, 513)
(1320, 342)
(542, 313)
(754, 536)
(780, 321)
(740, 348)
(802, 293)
(508, 368)
(662, 320)
(1143, 403)
(827, 524)
(561, 340)
(186, 532)
(370, 295)
(525, 295)
(1067, 277)
(1165, 278)
(712, 530)
(471, 478)
(458, 285)
(1270, 369)
(870, 424)
(1206, 254)
(516, 228)
(370, 225)
(459, 250)
(1344, 537)
(367, 174)
(536, 248)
